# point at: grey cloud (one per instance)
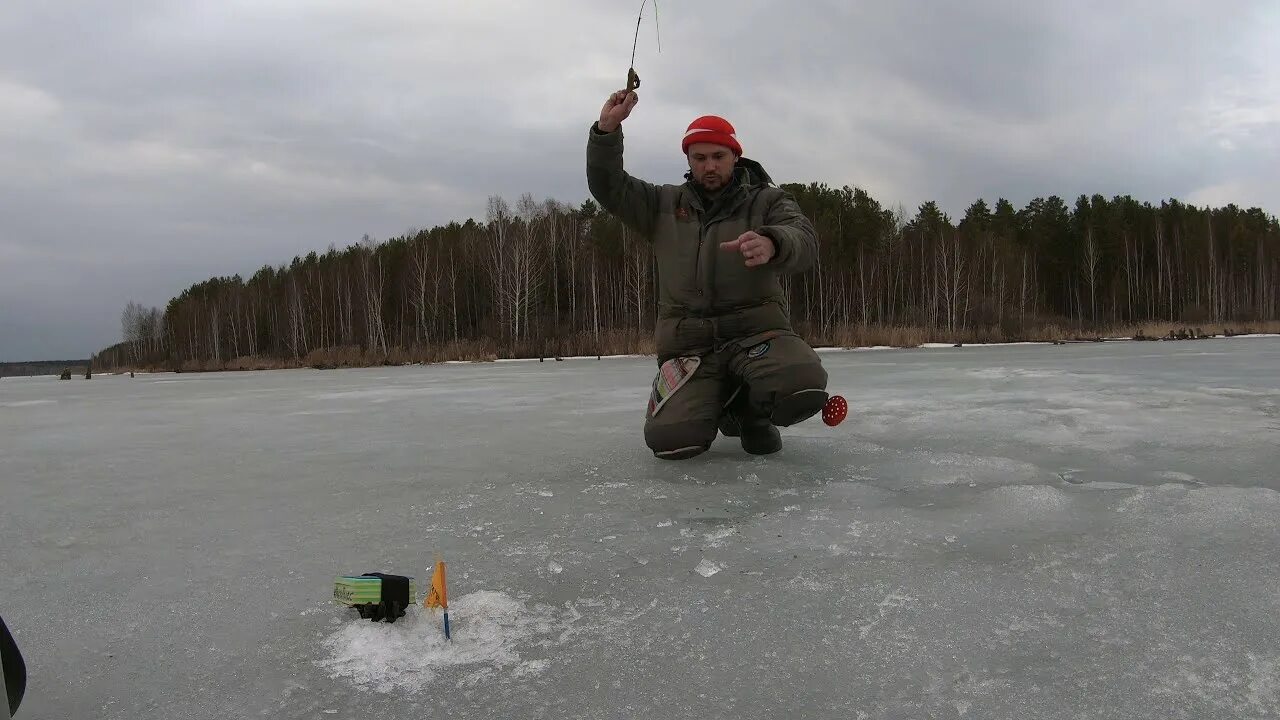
(151, 145)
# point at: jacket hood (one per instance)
(755, 171)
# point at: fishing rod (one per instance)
(633, 79)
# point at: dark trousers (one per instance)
(773, 381)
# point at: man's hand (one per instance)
(756, 248)
(616, 109)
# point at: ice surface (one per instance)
(1029, 531)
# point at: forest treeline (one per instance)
(42, 367)
(544, 279)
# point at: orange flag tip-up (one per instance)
(438, 595)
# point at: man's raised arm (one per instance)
(631, 199)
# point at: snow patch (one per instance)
(1007, 373)
(890, 602)
(706, 568)
(488, 630)
(381, 395)
(1226, 686)
(530, 667)
(1108, 485)
(1029, 497)
(716, 537)
(27, 403)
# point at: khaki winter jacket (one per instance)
(707, 297)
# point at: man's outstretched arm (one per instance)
(631, 199)
(794, 238)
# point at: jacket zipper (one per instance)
(697, 260)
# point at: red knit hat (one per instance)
(711, 129)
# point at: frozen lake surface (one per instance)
(1039, 531)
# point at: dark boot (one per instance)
(760, 437)
(729, 426)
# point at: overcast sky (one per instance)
(148, 145)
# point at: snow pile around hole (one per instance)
(487, 629)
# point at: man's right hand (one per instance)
(616, 109)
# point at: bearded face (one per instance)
(711, 165)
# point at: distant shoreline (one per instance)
(347, 361)
(41, 368)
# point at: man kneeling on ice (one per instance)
(728, 357)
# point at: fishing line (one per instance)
(633, 79)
